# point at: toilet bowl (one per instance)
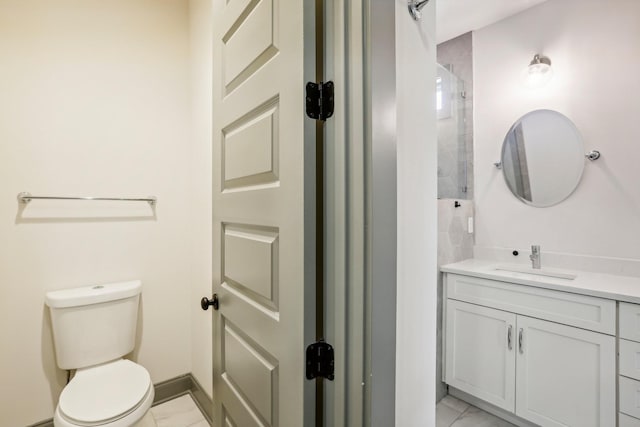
(94, 327)
(115, 394)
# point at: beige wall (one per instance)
(201, 182)
(95, 100)
(594, 47)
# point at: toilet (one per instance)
(93, 328)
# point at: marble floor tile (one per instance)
(445, 415)
(454, 403)
(474, 417)
(179, 412)
(146, 421)
(452, 412)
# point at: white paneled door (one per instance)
(263, 213)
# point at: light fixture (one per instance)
(538, 73)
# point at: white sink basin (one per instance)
(536, 272)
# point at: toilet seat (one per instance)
(113, 394)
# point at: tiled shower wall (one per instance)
(452, 170)
(455, 243)
(456, 54)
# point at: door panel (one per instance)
(262, 213)
(565, 375)
(249, 42)
(257, 247)
(480, 358)
(250, 148)
(252, 373)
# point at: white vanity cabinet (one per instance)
(629, 364)
(544, 355)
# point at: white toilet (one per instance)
(93, 328)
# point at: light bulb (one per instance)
(538, 73)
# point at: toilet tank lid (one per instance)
(93, 294)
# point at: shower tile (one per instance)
(446, 187)
(445, 249)
(445, 163)
(445, 214)
(467, 251)
(456, 231)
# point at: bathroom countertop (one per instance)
(620, 288)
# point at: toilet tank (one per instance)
(94, 324)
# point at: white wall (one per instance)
(594, 47)
(94, 100)
(417, 217)
(201, 26)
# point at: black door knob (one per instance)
(206, 302)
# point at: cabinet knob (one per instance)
(509, 333)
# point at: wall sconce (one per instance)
(538, 73)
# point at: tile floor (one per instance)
(179, 412)
(452, 412)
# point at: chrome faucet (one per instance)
(535, 256)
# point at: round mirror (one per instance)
(542, 158)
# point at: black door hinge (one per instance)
(320, 361)
(320, 100)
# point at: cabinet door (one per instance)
(481, 352)
(629, 359)
(629, 395)
(629, 321)
(627, 421)
(565, 376)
